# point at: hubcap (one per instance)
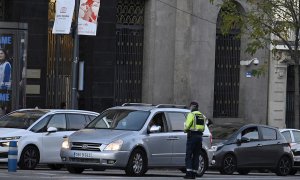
(284, 166)
(137, 163)
(30, 158)
(229, 164)
(201, 164)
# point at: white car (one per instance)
(293, 137)
(40, 133)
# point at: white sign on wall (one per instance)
(87, 17)
(63, 16)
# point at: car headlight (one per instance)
(4, 144)
(65, 144)
(217, 147)
(114, 146)
(10, 138)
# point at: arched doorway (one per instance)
(227, 72)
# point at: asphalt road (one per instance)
(45, 173)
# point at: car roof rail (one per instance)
(137, 104)
(171, 106)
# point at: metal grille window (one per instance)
(2, 10)
(290, 93)
(59, 63)
(227, 75)
(129, 63)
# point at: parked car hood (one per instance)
(103, 136)
(9, 132)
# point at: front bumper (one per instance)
(109, 159)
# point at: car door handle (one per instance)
(259, 145)
(173, 138)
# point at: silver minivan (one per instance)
(138, 137)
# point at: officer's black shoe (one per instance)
(189, 175)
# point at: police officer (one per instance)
(194, 127)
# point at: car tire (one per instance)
(203, 164)
(137, 163)
(243, 171)
(30, 158)
(228, 165)
(284, 166)
(75, 170)
(293, 171)
(55, 166)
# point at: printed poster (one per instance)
(6, 62)
(63, 16)
(87, 17)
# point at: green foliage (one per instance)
(260, 71)
(264, 18)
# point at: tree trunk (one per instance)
(296, 100)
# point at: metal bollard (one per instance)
(12, 156)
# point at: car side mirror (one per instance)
(52, 130)
(209, 122)
(245, 140)
(154, 129)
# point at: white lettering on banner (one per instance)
(87, 17)
(63, 18)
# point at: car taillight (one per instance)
(210, 138)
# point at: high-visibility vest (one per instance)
(195, 121)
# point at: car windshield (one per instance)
(20, 119)
(120, 119)
(224, 131)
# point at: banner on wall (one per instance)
(87, 17)
(63, 16)
(6, 61)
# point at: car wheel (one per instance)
(75, 170)
(30, 157)
(55, 166)
(203, 164)
(293, 171)
(228, 165)
(284, 166)
(243, 171)
(137, 163)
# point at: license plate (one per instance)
(82, 155)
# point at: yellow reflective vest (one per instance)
(195, 121)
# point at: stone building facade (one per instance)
(153, 51)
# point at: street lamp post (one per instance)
(74, 101)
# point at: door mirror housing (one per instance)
(52, 130)
(154, 129)
(245, 140)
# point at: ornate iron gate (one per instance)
(129, 63)
(59, 63)
(290, 93)
(227, 75)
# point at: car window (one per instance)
(41, 125)
(297, 136)
(90, 118)
(159, 120)
(287, 136)
(58, 121)
(250, 133)
(177, 120)
(21, 119)
(269, 134)
(76, 121)
(121, 119)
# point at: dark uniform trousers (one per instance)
(193, 148)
